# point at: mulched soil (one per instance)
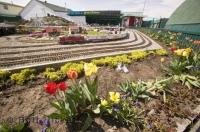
(30, 101)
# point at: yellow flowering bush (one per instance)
(90, 69)
(138, 55)
(4, 75)
(72, 66)
(52, 75)
(23, 76)
(112, 61)
(161, 52)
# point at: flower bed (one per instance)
(171, 38)
(145, 105)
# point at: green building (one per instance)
(186, 18)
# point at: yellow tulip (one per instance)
(114, 96)
(104, 102)
(188, 50)
(185, 54)
(90, 68)
(162, 60)
(179, 52)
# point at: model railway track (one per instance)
(53, 51)
(65, 47)
(79, 53)
(28, 55)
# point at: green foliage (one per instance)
(194, 64)
(123, 113)
(177, 67)
(53, 75)
(4, 75)
(187, 80)
(145, 90)
(5, 127)
(137, 90)
(181, 64)
(81, 98)
(72, 66)
(23, 76)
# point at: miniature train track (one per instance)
(81, 52)
(63, 47)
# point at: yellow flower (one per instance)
(188, 50)
(90, 68)
(114, 96)
(104, 102)
(162, 60)
(185, 54)
(179, 52)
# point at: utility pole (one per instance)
(144, 6)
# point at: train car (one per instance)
(71, 39)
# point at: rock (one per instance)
(151, 112)
(49, 111)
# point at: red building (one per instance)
(132, 19)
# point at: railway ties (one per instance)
(142, 42)
(33, 51)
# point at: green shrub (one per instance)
(20, 127)
(4, 75)
(53, 75)
(72, 66)
(23, 76)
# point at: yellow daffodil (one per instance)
(104, 102)
(114, 96)
(162, 60)
(90, 68)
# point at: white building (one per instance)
(36, 8)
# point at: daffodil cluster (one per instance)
(183, 52)
(90, 69)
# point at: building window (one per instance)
(5, 7)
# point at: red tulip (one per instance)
(62, 86)
(173, 49)
(51, 88)
(72, 74)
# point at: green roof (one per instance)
(187, 13)
(54, 7)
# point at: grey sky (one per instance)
(154, 8)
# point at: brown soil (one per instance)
(31, 101)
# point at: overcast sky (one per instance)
(153, 8)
